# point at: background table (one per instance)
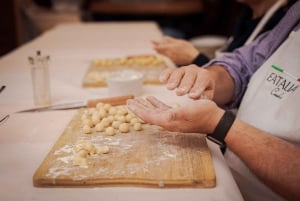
(26, 138)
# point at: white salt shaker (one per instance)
(40, 79)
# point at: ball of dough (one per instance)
(133, 121)
(103, 150)
(116, 124)
(91, 110)
(95, 118)
(124, 128)
(87, 129)
(99, 105)
(107, 106)
(112, 111)
(111, 118)
(122, 111)
(82, 153)
(87, 122)
(84, 117)
(110, 131)
(106, 122)
(121, 119)
(89, 146)
(80, 161)
(99, 127)
(128, 117)
(137, 126)
(102, 113)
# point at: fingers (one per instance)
(144, 104)
(157, 103)
(186, 83)
(168, 39)
(203, 87)
(151, 110)
(182, 79)
(140, 108)
(175, 78)
(164, 40)
(165, 74)
(191, 80)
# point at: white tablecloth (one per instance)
(26, 138)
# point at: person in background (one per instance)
(263, 139)
(256, 18)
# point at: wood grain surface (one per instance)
(151, 158)
(150, 65)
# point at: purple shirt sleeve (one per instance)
(243, 62)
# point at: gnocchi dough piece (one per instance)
(111, 118)
(89, 147)
(103, 150)
(82, 153)
(112, 111)
(106, 122)
(87, 129)
(116, 124)
(121, 118)
(100, 127)
(122, 111)
(99, 105)
(95, 118)
(110, 131)
(84, 117)
(137, 126)
(133, 121)
(80, 161)
(87, 122)
(124, 128)
(107, 106)
(102, 113)
(128, 117)
(83, 145)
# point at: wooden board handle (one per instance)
(117, 100)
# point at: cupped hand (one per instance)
(192, 80)
(181, 52)
(201, 116)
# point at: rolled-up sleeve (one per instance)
(242, 64)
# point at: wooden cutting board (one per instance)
(151, 157)
(150, 65)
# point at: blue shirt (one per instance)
(243, 62)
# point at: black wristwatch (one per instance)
(222, 129)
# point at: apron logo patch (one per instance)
(281, 86)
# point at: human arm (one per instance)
(275, 162)
(181, 52)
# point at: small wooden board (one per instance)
(151, 157)
(150, 65)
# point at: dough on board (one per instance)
(110, 120)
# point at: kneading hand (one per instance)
(179, 51)
(200, 117)
(192, 80)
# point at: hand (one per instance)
(192, 80)
(179, 51)
(200, 117)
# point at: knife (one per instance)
(117, 100)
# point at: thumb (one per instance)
(169, 39)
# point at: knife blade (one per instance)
(117, 100)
